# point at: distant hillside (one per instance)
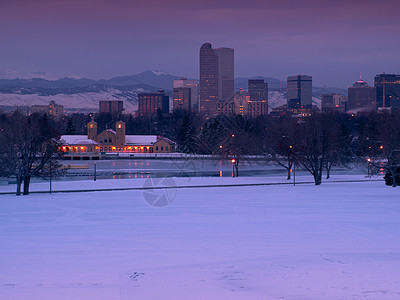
(86, 93)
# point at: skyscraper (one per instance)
(182, 99)
(194, 91)
(258, 92)
(225, 73)
(361, 97)
(216, 77)
(387, 90)
(299, 92)
(208, 80)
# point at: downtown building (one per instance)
(387, 91)
(299, 94)
(258, 102)
(152, 103)
(361, 98)
(181, 94)
(182, 99)
(216, 77)
(333, 103)
(53, 110)
(111, 106)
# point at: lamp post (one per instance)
(233, 167)
(294, 174)
(50, 177)
(369, 165)
(94, 177)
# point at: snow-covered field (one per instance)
(334, 241)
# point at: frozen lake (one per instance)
(334, 241)
(144, 168)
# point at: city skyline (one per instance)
(333, 42)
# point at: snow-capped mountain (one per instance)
(13, 74)
(83, 93)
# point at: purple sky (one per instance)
(331, 40)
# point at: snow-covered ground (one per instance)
(334, 241)
(79, 100)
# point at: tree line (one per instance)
(315, 143)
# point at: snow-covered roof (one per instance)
(166, 139)
(77, 140)
(140, 139)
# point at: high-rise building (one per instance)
(258, 92)
(225, 73)
(333, 103)
(361, 97)
(387, 90)
(299, 92)
(194, 91)
(150, 103)
(208, 80)
(182, 99)
(111, 106)
(216, 77)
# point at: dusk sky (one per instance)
(331, 40)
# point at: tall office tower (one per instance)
(387, 90)
(258, 92)
(333, 103)
(182, 99)
(226, 75)
(111, 106)
(208, 80)
(299, 92)
(216, 77)
(361, 97)
(194, 91)
(150, 103)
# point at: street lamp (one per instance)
(233, 167)
(369, 165)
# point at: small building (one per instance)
(53, 110)
(242, 105)
(114, 141)
(79, 145)
(333, 103)
(111, 106)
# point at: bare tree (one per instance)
(317, 138)
(282, 144)
(383, 145)
(27, 148)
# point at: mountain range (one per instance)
(82, 94)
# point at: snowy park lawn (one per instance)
(334, 241)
